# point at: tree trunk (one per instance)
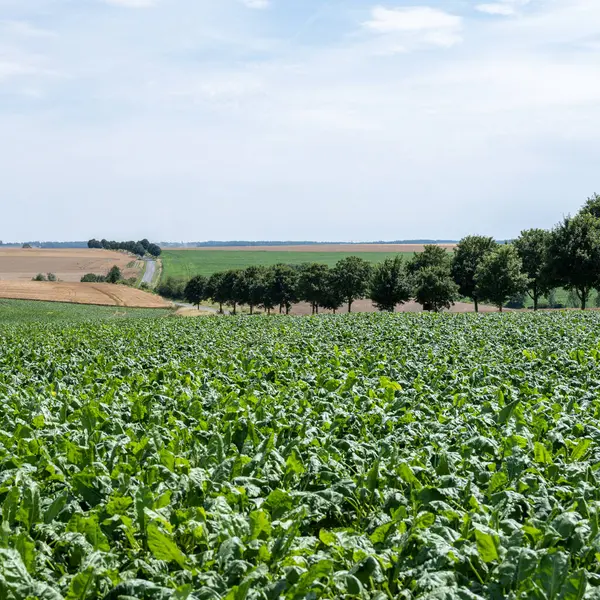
(221, 307)
(288, 307)
(316, 309)
(268, 311)
(476, 302)
(583, 299)
(234, 308)
(280, 308)
(349, 306)
(251, 308)
(500, 308)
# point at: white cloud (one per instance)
(258, 4)
(406, 27)
(504, 8)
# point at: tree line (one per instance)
(481, 269)
(141, 248)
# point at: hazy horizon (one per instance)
(320, 120)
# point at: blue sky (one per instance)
(296, 119)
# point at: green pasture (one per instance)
(184, 264)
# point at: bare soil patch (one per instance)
(361, 306)
(70, 264)
(104, 294)
(326, 248)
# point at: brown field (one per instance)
(22, 264)
(104, 294)
(366, 306)
(324, 248)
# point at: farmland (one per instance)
(22, 264)
(184, 264)
(360, 456)
(104, 294)
(23, 311)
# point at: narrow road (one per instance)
(149, 274)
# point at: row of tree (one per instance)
(481, 269)
(141, 248)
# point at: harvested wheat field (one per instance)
(22, 264)
(400, 248)
(104, 294)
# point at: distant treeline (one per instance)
(250, 244)
(45, 244)
(480, 268)
(141, 248)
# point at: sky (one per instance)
(353, 120)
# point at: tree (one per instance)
(313, 283)
(282, 287)
(574, 255)
(114, 275)
(216, 289)
(154, 250)
(229, 285)
(332, 297)
(26, 246)
(468, 255)
(592, 206)
(195, 290)
(350, 277)
(434, 288)
(389, 284)
(93, 243)
(145, 243)
(499, 277)
(250, 287)
(431, 277)
(532, 247)
(432, 256)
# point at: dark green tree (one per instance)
(432, 256)
(434, 288)
(154, 250)
(431, 278)
(216, 289)
(313, 283)
(532, 246)
(332, 297)
(574, 255)
(350, 277)
(114, 275)
(230, 286)
(389, 284)
(592, 206)
(468, 255)
(281, 287)
(250, 287)
(195, 290)
(499, 277)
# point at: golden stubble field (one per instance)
(19, 265)
(70, 264)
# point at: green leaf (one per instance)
(580, 450)
(260, 525)
(541, 454)
(162, 545)
(82, 586)
(90, 528)
(487, 546)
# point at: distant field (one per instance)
(187, 263)
(22, 264)
(81, 293)
(28, 311)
